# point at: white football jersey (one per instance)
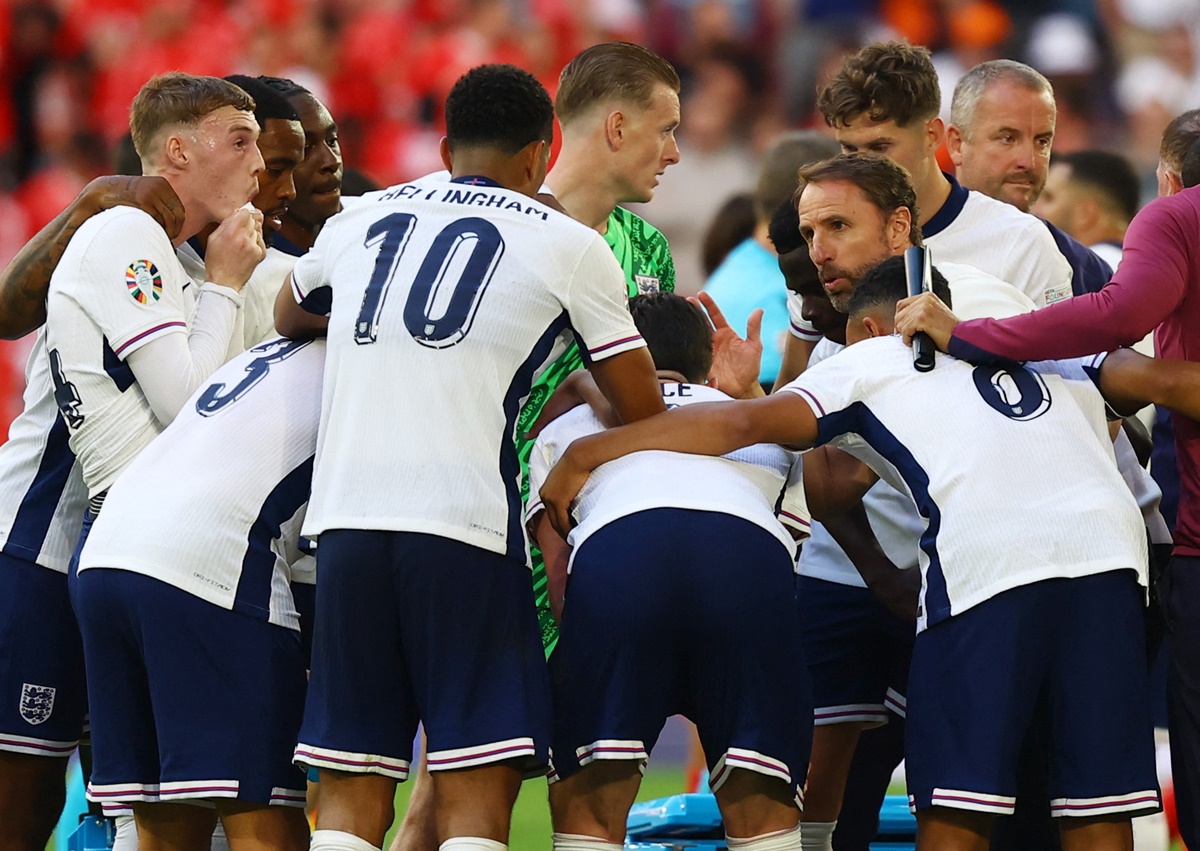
(1001, 240)
(444, 302)
(749, 483)
(117, 287)
(214, 505)
(893, 519)
(42, 497)
(1011, 468)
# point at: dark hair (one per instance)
(784, 228)
(498, 106)
(268, 103)
(1189, 174)
(778, 176)
(884, 285)
(1109, 175)
(1178, 138)
(888, 81)
(178, 98)
(886, 184)
(677, 333)
(284, 86)
(732, 225)
(125, 158)
(617, 70)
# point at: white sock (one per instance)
(472, 843)
(579, 842)
(779, 840)
(817, 835)
(126, 836)
(339, 840)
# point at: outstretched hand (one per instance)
(737, 360)
(928, 313)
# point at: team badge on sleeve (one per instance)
(37, 702)
(144, 282)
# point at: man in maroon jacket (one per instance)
(1157, 288)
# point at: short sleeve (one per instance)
(798, 326)
(541, 459)
(833, 387)
(1037, 267)
(793, 508)
(309, 282)
(131, 284)
(597, 305)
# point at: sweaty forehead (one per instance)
(228, 119)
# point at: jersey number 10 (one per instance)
(433, 284)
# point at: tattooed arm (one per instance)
(24, 282)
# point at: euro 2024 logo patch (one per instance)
(144, 282)
(37, 702)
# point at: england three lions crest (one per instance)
(37, 702)
(646, 284)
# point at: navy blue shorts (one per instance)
(974, 689)
(420, 628)
(43, 692)
(858, 652)
(671, 611)
(189, 701)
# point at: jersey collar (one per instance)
(944, 217)
(282, 243)
(476, 180)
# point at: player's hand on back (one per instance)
(562, 485)
(925, 312)
(235, 248)
(152, 195)
(737, 360)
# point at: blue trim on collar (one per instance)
(944, 217)
(476, 180)
(282, 243)
(194, 242)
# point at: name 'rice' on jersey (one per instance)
(243, 448)
(444, 302)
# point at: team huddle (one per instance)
(299, 474)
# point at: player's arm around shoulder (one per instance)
(713, 428)
(26, 279)
(292, 319)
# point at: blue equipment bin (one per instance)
(692, 822)
(94, 833)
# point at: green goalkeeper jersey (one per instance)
(645, 258)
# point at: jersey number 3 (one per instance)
(448, 286)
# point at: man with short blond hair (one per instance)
(129, 337)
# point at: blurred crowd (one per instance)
(1121, 69)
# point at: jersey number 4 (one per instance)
(65, 394)
(448, 286)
